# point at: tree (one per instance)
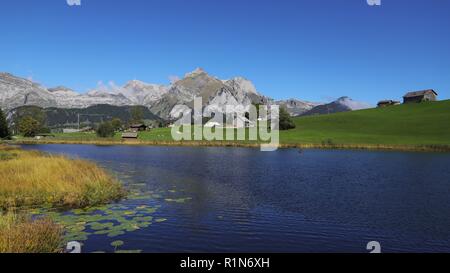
(4, 131)
(137, 115)
(105, 130)
(116, 124)
(29, 127)
(35, 112)
(286, 122)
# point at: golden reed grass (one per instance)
(19, 234)
(30, 178)
(33, 179)
(244, 144)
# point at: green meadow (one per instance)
(403, 126)
(410, 124)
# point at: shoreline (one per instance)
(33, 180)
(373, 147)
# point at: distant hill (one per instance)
(343, 104)
(297, 107)
(425, 123)
(68, 118)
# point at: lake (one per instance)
(243, 200)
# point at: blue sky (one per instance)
(315, 50)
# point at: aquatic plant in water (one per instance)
(109, 220)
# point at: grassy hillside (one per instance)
(402, 127)
(412, 124)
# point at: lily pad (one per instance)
(117, 243)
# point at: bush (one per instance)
(117, 124)
(29, 127)
(105, 130)
(286, 122)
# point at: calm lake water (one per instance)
(244, 200)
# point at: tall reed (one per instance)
(34, 179)
(19, 234)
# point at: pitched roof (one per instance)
(419, 93)
(387, 101)
(137, 125)
(130, 135)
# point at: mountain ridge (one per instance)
(159, 99)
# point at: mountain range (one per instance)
(159, 99)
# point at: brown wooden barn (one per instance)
(386, 103)
(420, 96)
(138, 127)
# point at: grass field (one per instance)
(31, 179)
(412, 126)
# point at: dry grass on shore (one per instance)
(245, 144)
(19, 234)
(34, 179)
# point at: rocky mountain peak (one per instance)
(59, 89)
(135, 85)
(198, 71)
(241, 83)
(9, 79)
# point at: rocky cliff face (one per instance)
(214, 92)
(15, 92)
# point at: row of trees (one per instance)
(30, 127)
(32, 124)
(109, 128)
